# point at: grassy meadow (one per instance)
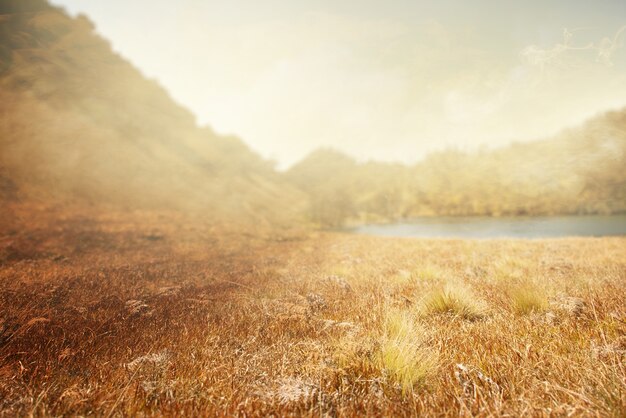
(151, 313)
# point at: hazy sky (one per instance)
(387, 80)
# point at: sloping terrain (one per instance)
(78, 122)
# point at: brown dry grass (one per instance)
(156, 314)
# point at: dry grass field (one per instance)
(157, 314)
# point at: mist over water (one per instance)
(506, 227)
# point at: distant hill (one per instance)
(580, 171)
(79, 122)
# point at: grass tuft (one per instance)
(455, 299)
(527, 298)
(403, 354)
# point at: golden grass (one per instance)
(455, 299)
(528, 297)
(156, 314)
(404, 355)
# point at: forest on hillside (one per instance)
(77, 121)
(580, 171)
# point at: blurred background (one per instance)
(336, 113)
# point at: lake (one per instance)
(501, 227)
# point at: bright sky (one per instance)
(385, 80)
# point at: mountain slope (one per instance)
(77, 121)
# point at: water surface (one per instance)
(503, 227)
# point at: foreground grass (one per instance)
(454, 299)
(156, 314)
(404, 353)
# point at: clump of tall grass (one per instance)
(403, 354)
(454, 299)
(527, 297)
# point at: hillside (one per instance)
(80, 123)
(580, 171)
